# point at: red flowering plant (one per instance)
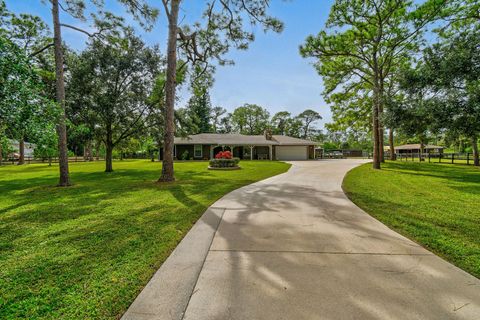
(224, 159)
(224, 155)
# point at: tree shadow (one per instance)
(302, 250)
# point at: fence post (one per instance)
(440, 158)
(453, 155)
(468, 158)
(429, 157)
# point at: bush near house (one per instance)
(224, 159)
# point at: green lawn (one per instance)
(86, 251)
(436, 205)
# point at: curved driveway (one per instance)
(294, 247)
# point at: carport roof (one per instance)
(241, 139)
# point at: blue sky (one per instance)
(271, 73)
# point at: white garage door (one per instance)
(291, 152)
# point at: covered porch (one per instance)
(244, 152)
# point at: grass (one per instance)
(86, 251)
(435, 205)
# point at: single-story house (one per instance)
(205, 146)
(415, 148)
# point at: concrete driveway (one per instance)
(294, 247)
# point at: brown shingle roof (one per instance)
(240, 139)
(290, 141)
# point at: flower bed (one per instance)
(224, 160)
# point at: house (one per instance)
(415, 148)
(205, 146)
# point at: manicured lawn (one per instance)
(436, 205)
(86, 251)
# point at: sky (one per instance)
(271, 73)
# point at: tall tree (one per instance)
(222, 28)
(23, 35)
(451, 70)
(199, 107)
(76, 8)
(114, 81)
(24, 112)
(250, 119)
(280, 122)
(362, 43)
(308, 117)
(216, 116)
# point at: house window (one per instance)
(197, 151)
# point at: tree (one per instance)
(280, 122)
(412, 116)
(76, 8)
(156, 116)
(250, 119)
(216, 116)
(199, 107)
(363, 42)
(114, 81)
(200, 43)
(226, 124)
(24, 112)
(308, 117)
(29, 111)
(451, 71)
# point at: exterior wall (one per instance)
(181, 148)
(261, 151)
(206, 152)
(311, 152)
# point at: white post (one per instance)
(251, 152)
(270, 152)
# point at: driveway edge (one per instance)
(166, 295)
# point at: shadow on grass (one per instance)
(83, 251)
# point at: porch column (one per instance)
(211, 151)
(251, 152)
(270, 152)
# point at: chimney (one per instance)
(268, 134)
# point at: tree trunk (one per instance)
(392, 147)
(476, 161)
(97, 150)
(376, 139)
(109, 151)
(381, 138)
(376, 122)
(90, 151)
(60, 95)
(108, 158)
(21, 151)
(420, 154)
(381, 128)
(170, 86)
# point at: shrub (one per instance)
(224, 162)
(184, 155)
